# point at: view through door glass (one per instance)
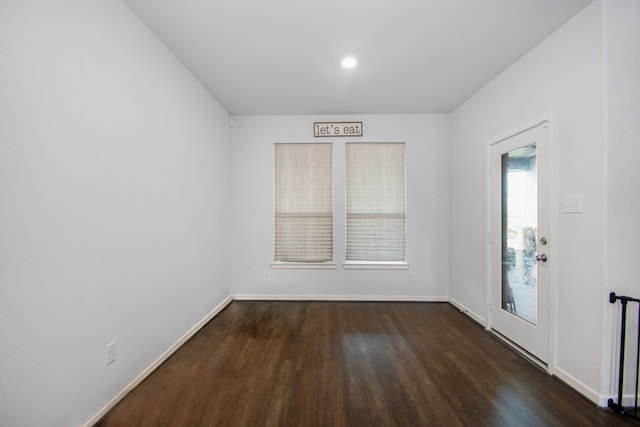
(519, 233)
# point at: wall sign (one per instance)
(334, 129)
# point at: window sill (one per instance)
(303, 265)
(363, 265)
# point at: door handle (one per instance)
(541, 257)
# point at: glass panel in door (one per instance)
(519, 231)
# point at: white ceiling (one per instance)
(415, 56)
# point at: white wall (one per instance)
(252, 140)
(562, 78)
(113, 215)
(623, 119)
(622, 35)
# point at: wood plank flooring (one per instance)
(350, 364)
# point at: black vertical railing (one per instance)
(625, 371)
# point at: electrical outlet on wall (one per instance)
(414, 276)
(111, 353)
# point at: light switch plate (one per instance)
(572, 204)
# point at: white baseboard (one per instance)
(399, 298)
(144, 374)
(581, 387)
(463, 309)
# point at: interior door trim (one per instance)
(520, 132)
(548, 119)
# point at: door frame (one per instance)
(551, 122)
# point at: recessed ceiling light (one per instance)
(349, 62)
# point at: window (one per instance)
(303, 203)
(375, 203)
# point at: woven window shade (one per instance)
(375, 197)
(303, 202)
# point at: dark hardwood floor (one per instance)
(350, 364)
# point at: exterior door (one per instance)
(520, 242)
